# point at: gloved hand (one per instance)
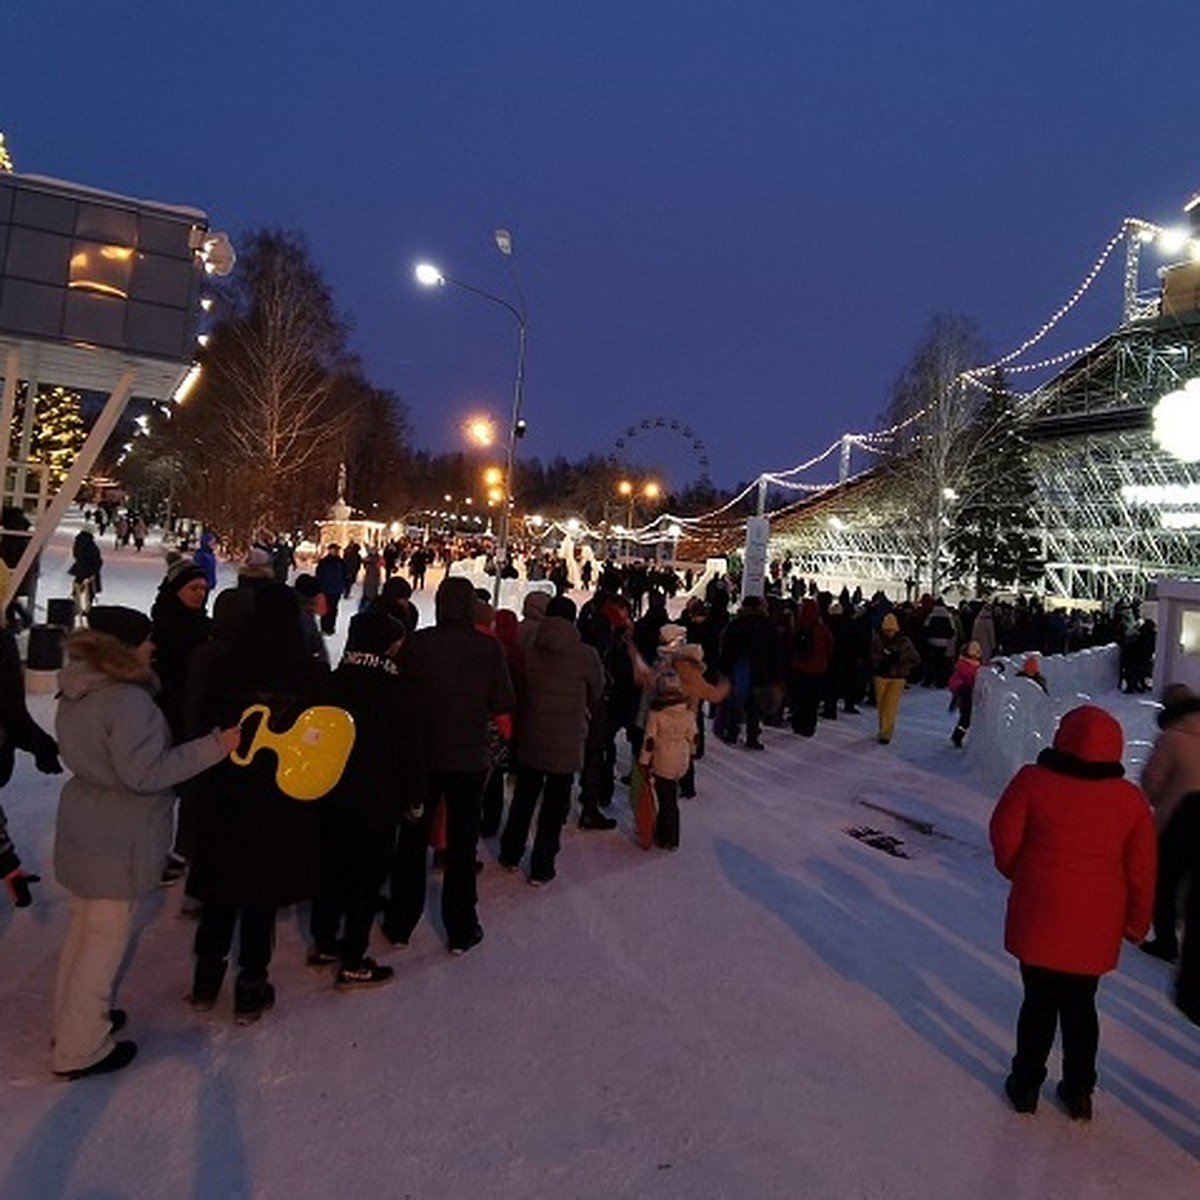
(47, 761)
(17, 882)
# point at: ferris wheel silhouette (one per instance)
(627, 443)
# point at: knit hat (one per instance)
(307, 587)
(669, 634)
(180, 574)
(889, 624)
(258, 557)
(125, 624)
(374, 632)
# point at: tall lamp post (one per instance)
(629, 493)
(430, 276)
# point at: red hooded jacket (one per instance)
(1078, 843)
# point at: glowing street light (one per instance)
(649, 490)
(481, 431)
(430, 276)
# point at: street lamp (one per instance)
(649, 490)
(430, 276)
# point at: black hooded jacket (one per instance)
(459, 680)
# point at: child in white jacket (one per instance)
(666, 753)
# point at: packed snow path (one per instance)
(779, 1009)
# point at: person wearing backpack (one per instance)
(809, 661)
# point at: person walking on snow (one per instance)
(893, 660)
(1077, 842)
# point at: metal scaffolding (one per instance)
(1109, 504)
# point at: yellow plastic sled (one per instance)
(311, 754)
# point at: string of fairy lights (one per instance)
(716, 525)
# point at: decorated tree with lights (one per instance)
(57, 432)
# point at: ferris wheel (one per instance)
(642, 433)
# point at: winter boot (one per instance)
(366, 973)
(252, 998)
(957, 736)
(1077, 1104)
(1024, 1097)
(206, 983)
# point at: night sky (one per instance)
(738, 215)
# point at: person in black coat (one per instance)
(256, 848)
(331, 576)
(460, 681)
(18, 731)
(86, 564)
(180, 627)
(750, 659)
(383, 784)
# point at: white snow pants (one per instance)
(97, 935)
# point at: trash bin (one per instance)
(61, 613)
(45, 650)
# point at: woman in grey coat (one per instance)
(114, 822)
(561, 683)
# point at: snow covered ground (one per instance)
(778, 1010)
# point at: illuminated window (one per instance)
(103, 270)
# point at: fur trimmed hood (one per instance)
(96, 659)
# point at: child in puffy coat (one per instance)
(666, 753)
(962, 689)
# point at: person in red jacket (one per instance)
(1077, 841)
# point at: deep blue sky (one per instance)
(739, 214)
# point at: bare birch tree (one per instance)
(271, 365)
(933, 406)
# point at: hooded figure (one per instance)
(1077, 841)
(810, 655)
(460, 681)
(114, 822)
(561, 685)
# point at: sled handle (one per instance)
(243, 759)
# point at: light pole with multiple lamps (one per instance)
(630, 493)
(430, 276)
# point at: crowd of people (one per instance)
(158, 716)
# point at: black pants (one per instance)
(493, 802)
(805, 699)
(329, 616)
(462, 792)
(1053, 999)
(256, 937)
(1175, 854)
(599, 758)
(1187, 983)
(556, 803)
(354, 863)
(752, 707)
(666, 823)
